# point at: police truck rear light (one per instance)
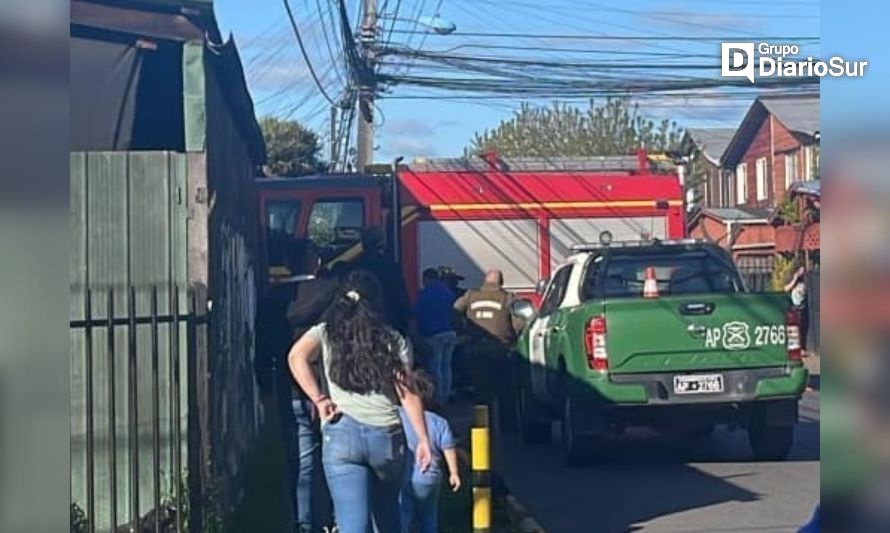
(595, 342)
(792, 334)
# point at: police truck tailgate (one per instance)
(710, 331)
(695, 315)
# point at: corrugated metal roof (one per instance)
(711, 141)
(798, 113)
(741, 214)
(529, 164)
(813, 188)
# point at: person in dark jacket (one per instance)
(311, 297)
(395, 295)
(491, 331)
(434, 313)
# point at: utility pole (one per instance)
(332, 166)
(367, 88)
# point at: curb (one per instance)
(522, 520)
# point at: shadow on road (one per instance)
(642, 479)
(662, 481)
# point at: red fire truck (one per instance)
(520, 215)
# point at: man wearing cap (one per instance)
(452, 280)
(291, 306)
(491, 329)
(397, 305)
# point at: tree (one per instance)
(291, 149)
(613, 128)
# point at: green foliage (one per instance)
(782, 270)
(291, 149)
(697, 170)
(613, 128)
(79, 523)
(789, 212)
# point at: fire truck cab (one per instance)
(519, 215)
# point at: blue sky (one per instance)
(280, 83)
(859, 33)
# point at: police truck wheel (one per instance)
(532, 430)
(506, 404)
(578, 449)
(771, 443)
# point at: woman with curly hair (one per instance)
(366, 365)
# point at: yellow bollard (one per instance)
(480, 449)
(480, 416)
(481, 509)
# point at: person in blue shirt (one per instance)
(435, 324)
(419, 498)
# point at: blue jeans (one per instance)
(363, 465)
(308, 441)
(419, 502)
(439, 365)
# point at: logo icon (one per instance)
(736, 336)
(737, 60)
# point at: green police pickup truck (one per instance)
(660, 334)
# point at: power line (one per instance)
(392, 26)
(602, 64)
(296, 29)
(582, 37)
(327, 39)
(427, 34)
(575, 50)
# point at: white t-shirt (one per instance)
(371, 409)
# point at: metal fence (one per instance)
(757, 273)
(102, 335)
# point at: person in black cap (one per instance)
(452, 280)
(397, 307)
(292, 306)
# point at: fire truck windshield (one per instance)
(281, 223)
(335, 225)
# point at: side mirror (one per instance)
(522, 309)
(541, 287)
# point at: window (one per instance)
(281, 223)
(335, 225)
(677, 273)
(556, 291)
(791, 171)
(726, 192)
(762, 187)
(281, 215)
(741, 183)
(811, 163)
(591, 278)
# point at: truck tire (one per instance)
(770, 443)
(578, 448)
(533, 428)
(506, 400)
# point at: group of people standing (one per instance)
(361, 407)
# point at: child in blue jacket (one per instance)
(419, 499)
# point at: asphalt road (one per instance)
(651, 483)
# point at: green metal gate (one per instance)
(128, 246)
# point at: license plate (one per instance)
(698, 384)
